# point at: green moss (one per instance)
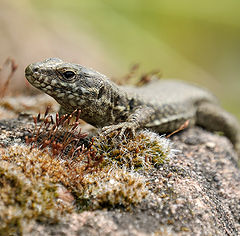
(119, 184)
(41, 165)
(113, 187)
(23, 200)
(146, 150)
(104, 175)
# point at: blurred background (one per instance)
(196, 41)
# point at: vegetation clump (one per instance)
(23, 199)
(118, 183)
(29, 181)
(40, 164)
(113, 187)
(60, 134)
(97, 173)
(144, 151)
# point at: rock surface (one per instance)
(196, 193)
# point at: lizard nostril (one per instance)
(35, 69)
(31, 69)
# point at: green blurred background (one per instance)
(196, 41)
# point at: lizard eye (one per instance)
(68, 74)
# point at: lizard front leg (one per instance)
(141, 116)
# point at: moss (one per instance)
(41, 164)
(60, 135)
(113, 182)
(119, 184)
(22, 200)
(31, 185)
(146, 150)
(113, 187)
(102, 175)
(164, 231)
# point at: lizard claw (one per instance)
(123, 126)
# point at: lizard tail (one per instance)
(214, 118)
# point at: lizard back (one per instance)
(174, 102)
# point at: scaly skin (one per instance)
(162, 105)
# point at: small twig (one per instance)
(147, 77)
(132, 71)
(14, 67)
(182, 127)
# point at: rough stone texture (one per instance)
(196, 193)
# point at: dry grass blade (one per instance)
(147, 77)
(14, 67)
(182, 127)
(132, 72)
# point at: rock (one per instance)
(196, 193)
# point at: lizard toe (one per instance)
(122, 126)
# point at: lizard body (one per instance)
(162, 105)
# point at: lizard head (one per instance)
(71, 85)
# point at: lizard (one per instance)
(161, 105)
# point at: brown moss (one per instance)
(101, 175)
(23, 200)
(113, 187)
(38, 164)
(59, 134)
